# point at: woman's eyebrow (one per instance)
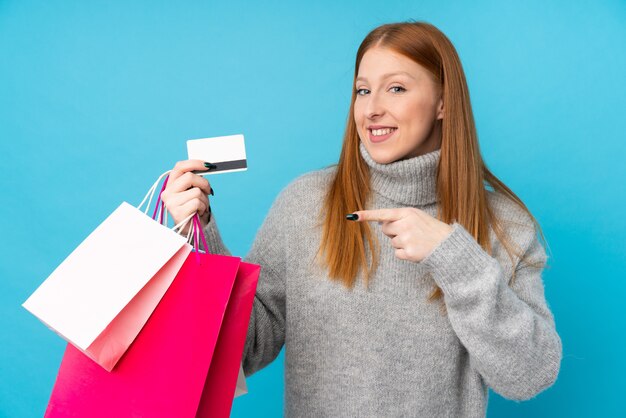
(387, 75)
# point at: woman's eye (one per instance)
(360, 92)
(401, 89)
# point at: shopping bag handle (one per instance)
(195, 235)
(179, 227)
(160, 210)
(151, 191)
(199, 232)
(163, 210)
(159, 204)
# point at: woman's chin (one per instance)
(383, 153)
(384, 157)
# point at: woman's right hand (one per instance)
(187, 193)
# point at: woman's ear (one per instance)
(440, 109)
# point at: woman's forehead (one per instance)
(379, 63)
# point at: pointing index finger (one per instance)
(380, 215)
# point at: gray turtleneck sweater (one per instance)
(386, 351)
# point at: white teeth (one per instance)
(379, 132)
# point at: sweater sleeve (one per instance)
(266, 331)
(508, 330)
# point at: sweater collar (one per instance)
(410, 182)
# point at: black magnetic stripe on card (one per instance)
(230, 165)
(226, 165)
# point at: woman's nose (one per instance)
(374, 107)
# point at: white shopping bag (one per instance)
(102, 294)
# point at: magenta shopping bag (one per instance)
(221, 381)
(164, 371)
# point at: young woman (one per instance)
(429, 291)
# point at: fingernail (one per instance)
(209, 214)
(212, 194)
(352, 217)
(210, 166)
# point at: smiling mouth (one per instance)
(380, 135)
(382, 132)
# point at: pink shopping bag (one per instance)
(164, 371)
(221, 381)
(200, 323)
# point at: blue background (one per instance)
(97, 98)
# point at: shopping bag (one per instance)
(225, 373)
(164, 371)
(101, 295)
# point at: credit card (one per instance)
(228, 153)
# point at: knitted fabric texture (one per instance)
(385, 350)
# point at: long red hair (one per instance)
(462, 175)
